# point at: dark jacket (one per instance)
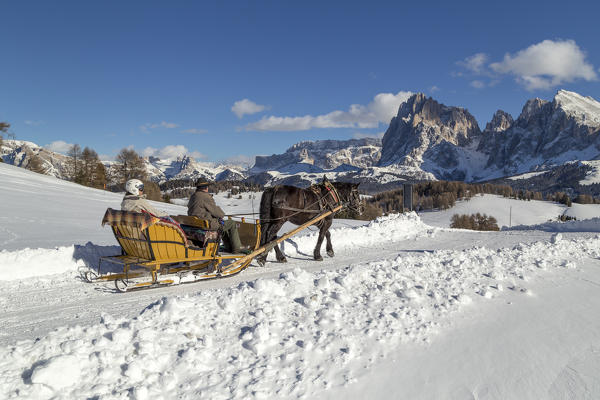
(203, 206)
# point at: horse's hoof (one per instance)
(282, 260)
(261, 262)
(330, 253)
(318, 258)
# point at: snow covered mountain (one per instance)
(426, 140)
(185, 168)
(546, 134)
(20, 153)
(338, 155)
(446, 141)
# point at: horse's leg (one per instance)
(278, 253)
(329, 247)
(317, 252)
(262, 258)
(326, 225)
(270, 234)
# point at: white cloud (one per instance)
(434, 89)
(195, 131)
(59, 146)
(245, 106)
(477, 84)
(170, 151)
(475, 63)
(381, 110)
(167, 125)
(547, 64)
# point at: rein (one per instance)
(331, 190)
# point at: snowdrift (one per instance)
(295, 335)
(29, 263)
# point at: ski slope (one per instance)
(406, 309)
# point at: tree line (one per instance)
(180, 188)
(442, 195)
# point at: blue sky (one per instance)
(230, 80)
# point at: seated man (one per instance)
(203, 206)
(135, 200)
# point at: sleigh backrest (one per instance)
(150, 238)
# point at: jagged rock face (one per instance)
(501, 121)
(324, 154)
(428, 134)
(492, 134)
(546, 134)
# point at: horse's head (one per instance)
(350, 197)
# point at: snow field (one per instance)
(291, 336)
(587, 225)
(511, 212)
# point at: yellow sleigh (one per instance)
(157, 252)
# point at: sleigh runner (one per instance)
(157, 252)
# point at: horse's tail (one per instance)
(266, 204)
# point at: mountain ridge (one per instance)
(426, 140)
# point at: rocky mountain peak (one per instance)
(501, 121)
(532, 108)
(584, 109)
(423, 124)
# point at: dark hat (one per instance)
(202, 183)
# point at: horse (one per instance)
(289, 203)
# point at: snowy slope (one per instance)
(404, 310)
(43, 211)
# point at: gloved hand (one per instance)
(221, 221)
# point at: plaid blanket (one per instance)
(139, 220)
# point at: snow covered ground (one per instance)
(511, 212)
(406, 309)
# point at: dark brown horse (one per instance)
(289, 203)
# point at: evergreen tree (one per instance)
(99, 176)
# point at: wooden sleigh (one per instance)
(157, 252)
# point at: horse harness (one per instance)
(322, 200)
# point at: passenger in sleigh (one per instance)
(135, 200)
(203, 206)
